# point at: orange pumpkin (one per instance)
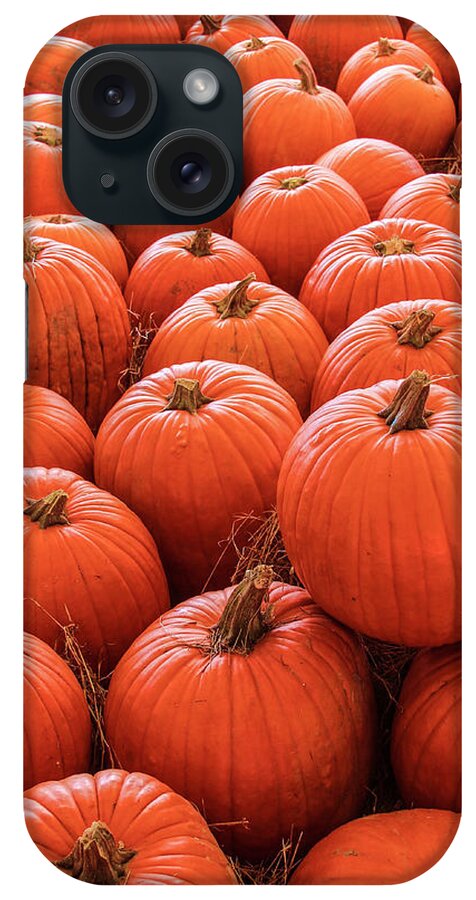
(433, 198)
(54, 433)
(43, 108)
(43, 183)
(52, 64)
(378, 55)
(457, 143)
(261, 58)
(220, 33)
(97, 30)
(443, 59)
(185, 23)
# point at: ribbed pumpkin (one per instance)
(190, 449)
(175, 267)
(78, 335)
(408, 106)
(185, 23)
(57, 727)
(261, 58)
(390, 342)
(43, 190)
(329, 41)
(287, 216)
(90, 561)
(443, 59)
(386, 261)
(376, 169)
(433, 198)
(388, 848)
(379, 55)
(121, 828)
(246, 322)
(426, 734)
(255, 706)
(43, 108)
(52, 64)
(134, 29)
(55, 435)
(220, 33)
(291, 121)
(368, 504)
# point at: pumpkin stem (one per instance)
(200, 243)
(290, 184)
(57, 220)
(187, 396)
(48, 510)
(210, 24)
(394, 246)
(426, 74)
(455, 191)
(255, 43)
(97, 857)
(243, 622)
(307, 76)
(417, 328)
(236, 303)
(48, 134)
(385, 48)
(407, 409)
(30, 249)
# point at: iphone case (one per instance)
(242, 489)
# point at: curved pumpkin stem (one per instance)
(407, 409)
(426, 74)
(417, 328)
(187, 396)
(236, 303)
(307, 75)
(454, 191)
(97, 857)
(243, 621)
(49, 510)
(200, 245)
(255, 43)
(394, 246)
(210, 24)
(385, 48)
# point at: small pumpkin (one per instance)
(379, 55)
(55, 435)
(42, 159)
(51, 65)
(433, 198)
(259, 59)
(43, 108)
(97, 30)
(221, 32)
(443, 59)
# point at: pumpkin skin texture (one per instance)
(51, 65)
(220, 33)
(57, 727)
(289, 720)
(43, 108)
(42, 159)
(202, 463)
(388, 848)
(426, 733)
(97, 30)
(379, 55)
(259, 59)
(329, 41)
(78, 327)
(55, 435)
(388, 505)
(174, 268)
(406, 106)
(443, 59)
(386, 261)
(390, 342)
(376, 169)
(171, 841)
(286, 217)
(249, 323)
(99, 568)
(432, 198)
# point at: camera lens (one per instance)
(113, 95)
(190, 171)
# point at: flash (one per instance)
(201, 86)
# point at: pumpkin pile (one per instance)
(242, 479)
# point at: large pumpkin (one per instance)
(443, 59)
(52, 64)
(388, 848)
(407, 106)
(259, 59)
(388, 260)
(379, 55)
(287, 216)
(99, 30)
(329, 41)
(57, 727)
(245, 322)
(88, 561)
(426, 733)
(220, 33)
(175, 267)
(54, 433)
(121, 828)
(190, 449)
(43, 190)
(374, 168)
(369, 506)
(291, 121)
(390, 342)
(78, 334)
(43, 108)
(255, 706)
(433, 198)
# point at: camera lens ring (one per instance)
(145, 78)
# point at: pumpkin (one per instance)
(379, 55)
(185, 23)
(190, 449)
(288, 215)
(43, 108)
(390, 342)
(175, 267)
(407, 106)
(457, 143)
(386, 261)
(259, 59)
(368, 505)
(57, 727)
(43, 190)
(443, 59)
(245, 322)
(54, 433)
(97, 30)
(387, 848)
(433, 198)
(117, 827)
(78, 334)
(376, 169)
(93, 237)
(52, 64)
(329, 41)
(426, 732)
(291, 121)
(283, 696)
(220, 33)
(88, 561)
